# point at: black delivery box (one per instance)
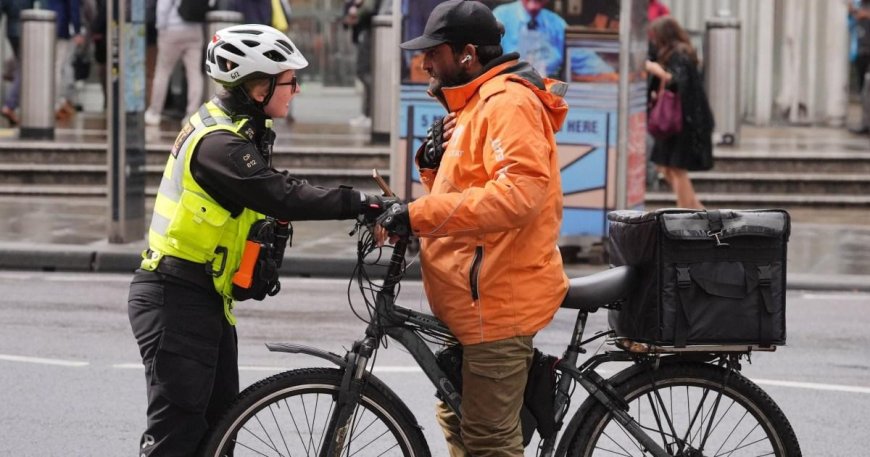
(706, 277)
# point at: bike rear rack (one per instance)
(647, 348)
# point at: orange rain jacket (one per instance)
(490, 223)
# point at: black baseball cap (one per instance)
(458, 22)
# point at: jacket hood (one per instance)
(551, 92)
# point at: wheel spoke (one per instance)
(298, 432)
(251, 449)
(617, 445)
(740, 444)
(658, 410)
(258, 437)
(364, 446)
(271, 443)
(278, 427)
(722, 418)
(687, 438)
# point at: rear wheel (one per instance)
(688, 411)
(287, 414)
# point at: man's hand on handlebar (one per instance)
(373, 206)
(395, 221)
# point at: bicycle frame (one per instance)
(402, 325)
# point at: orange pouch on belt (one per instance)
(245, 276)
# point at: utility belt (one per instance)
(262, 257)
(186, 270)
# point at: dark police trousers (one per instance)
(191, 360)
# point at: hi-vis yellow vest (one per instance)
(187, 222)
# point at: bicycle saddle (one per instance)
(588, 293)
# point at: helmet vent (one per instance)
(287, 47)
(251, 43)
(230, 48)
(224, 64)
(274, 56)
(248, 31)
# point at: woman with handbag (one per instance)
(680, 120)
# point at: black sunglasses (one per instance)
(293, 82)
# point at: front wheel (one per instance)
(287, 415)
(691, 411)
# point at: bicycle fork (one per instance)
(352, 385)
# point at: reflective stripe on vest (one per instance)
(187, 222)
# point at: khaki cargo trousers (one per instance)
(494, 377)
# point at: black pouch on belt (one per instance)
(257, 275)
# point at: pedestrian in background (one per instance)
(97, 36)
(860, 18)
(677, 69)
(489, 224)
(217, 186)
(358, 15)
(12, 10)
(69, 36)
(177, 39)
(254, 11)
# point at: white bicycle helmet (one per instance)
(242, 52)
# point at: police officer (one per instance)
(217, 184)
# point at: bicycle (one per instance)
(686, 402)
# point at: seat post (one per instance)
(574, 348)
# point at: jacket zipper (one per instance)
(474, 273)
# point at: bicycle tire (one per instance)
(281, 415)
(593, 432)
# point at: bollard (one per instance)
(215, 21)
(722, 76)
(37, 74)
(385, 54)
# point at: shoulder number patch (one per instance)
(247, 161)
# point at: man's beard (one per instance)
(460, 78)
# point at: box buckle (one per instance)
(716, 236)
(684, 280)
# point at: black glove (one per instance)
(373, 205)
(396, 219)
(430, 153)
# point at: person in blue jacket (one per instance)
(535, 32)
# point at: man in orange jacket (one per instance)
(490, 222)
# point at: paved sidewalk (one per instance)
(70, 235)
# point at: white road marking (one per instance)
(65, 277)
(840, 296)
(41, 361)
(813, 386)
(405, 369)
